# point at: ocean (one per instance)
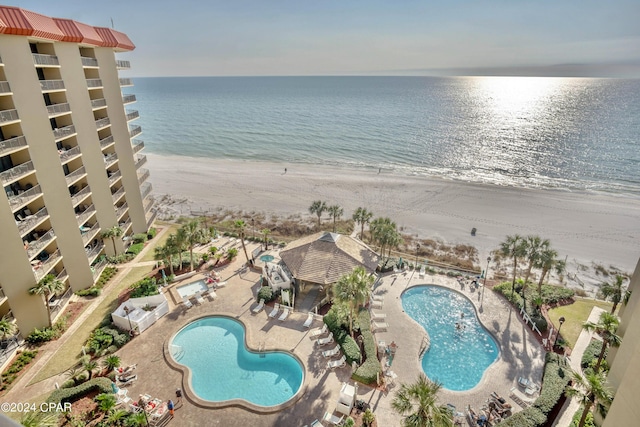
(560, 133)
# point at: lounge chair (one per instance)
(126, 370)
(333, 352)
(220, 284)
(421, 275)
(375, 304)
(340, 363)
(377, 298)
(284, 315)
(186, 302)
(211, 294)
(198, 297)
(379, 326)
(122, 380)
(325, 341)
(375, 315)
(276, 309)
(258, 308)
(307, 323)
(330, 418)
(316, 423)
(524, 382)
(319, 331)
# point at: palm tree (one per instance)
(240, 227)
(354, 289)
(74, 374)
(385, 233)
(180, 242)
(111, 362)
(89, 366)
(112, 233)
(106, 402)
(614, 291)
(173, 248)
(362, 216)
(547, 260)
(265, 232)
(193, 234)
(136, 420)
(46, 287)
(7, 327)
(513, 247)
(533, 251)
(231, 254)
(417, 403)
(590, 390)
(606, 327)
(117, 417)
(163, 253)
(318, 207)
(335, 211)
(39, 419)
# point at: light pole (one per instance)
(253, 229)
(484, 284)
(417, 249)
(561, 321)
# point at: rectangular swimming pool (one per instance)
(191, 288)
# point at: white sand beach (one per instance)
(586, 228)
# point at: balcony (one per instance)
(93, 252)
(77, 198)
(123, 65)
(128, 99)
(89, 62)
(148, 204)
(114, 177)
(65, 132)
(58, 109)
(137, 145)
(118, 195)
(142, 159)
(103, 123)
(125, 225)
(75, 176)
(5, 89)
(126, 82)
(51, 85)
(45, 60)
(7, 116)
(83, 216)
(24, 198)
(105, 142)
(68, 155)
(58, 303)
(94, 83)
(110, 160)
(135, 130)
(15, 173)
(37, 246)
(32, 221)
(132, 115)
(121, 211)
(143, 175)
(12, 145)
(151, 218)
(145, 189)
(98, 103)
(97, 269)
(63, 275)
(88, 234)
(3, 297)
(42, 269)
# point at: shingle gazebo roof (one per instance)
(325, 257)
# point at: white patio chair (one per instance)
(333, 352)
(383, 326)
(375, 315)
(325, 341)
(186, 302)
(332, 419)
(284, 315)
(198, 297)
(276, 309)
(340, 363)
(309, 321)
(319, 331)
(258, 308)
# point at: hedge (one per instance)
(151, 233)
(11, 373)
(368, 372)
(266, 293)
(104, 385)
(530, 417)
(144, 288)
(591, 353)
(350, 348)
(135, 249)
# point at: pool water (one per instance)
(191, 288)
(222, 368)
(458, 356)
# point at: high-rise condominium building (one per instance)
(70, 167)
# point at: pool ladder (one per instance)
(261, 348)
(424, 347)
(176, 351)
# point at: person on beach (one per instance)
(285, 170)
(170, 407)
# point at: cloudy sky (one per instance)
(367, 37)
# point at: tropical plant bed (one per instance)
(19, 363)
(84, 407)
(357, 417)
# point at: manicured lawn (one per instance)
(575, 315)
(67, 355)
(150, 255)
(16, 416)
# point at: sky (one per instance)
(367, 37)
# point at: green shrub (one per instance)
(72, 394)
(39, 336)
(151, 233)
(102, 340)
(588, 422)
(591, 353)
(369, 371)
(68, 384)
(89, 292)
(139, 238)
(135, 249)
(350, 349)
(555, 380)
(144, 288)
(120, 259)
(530, 417)
(266, 293)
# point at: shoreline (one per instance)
(587, 227)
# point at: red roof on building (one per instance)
(78, 32)
(113, 38)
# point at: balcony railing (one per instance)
(142, 159)
(132, 115)
(10, 145)
(114, 177)
(151, 218)
(8, 116)
(82, 217)
(32, 221)
(56, 305)
(40, 270)
(2, 295)
(122, 65)
(62, 276)
(100, 123)
(58, 108)
(137, 145)
(25, 197)
(145, 189)
(37, 246)
(89, 62)
(121, 210)
(17, 172)
(93, 252)
(126, 82)
(40, 59)
(98, 103)
(105, 142)
(125, 225)
(5, 88)
(148, 204)
(50, 85)
(90, 234)
(110, 159)
(75, 175)
(128, 99)
(66, 155)
(80, 196)
(94, 83)
(143, 175)
(135, 130)
(64, 132)
(117, 195)
(97, 268)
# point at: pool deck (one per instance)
(520, 353)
